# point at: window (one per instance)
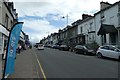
(102, 15)
(105, 47)
(119, 17)
(6, 20)
(11, 24)
(93, 37)
(91, 24)
(81, 29)
(119, 7)
(111, 20)
(112, 48)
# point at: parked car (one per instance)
(84, 49)
(64, 47)
(55, 46)
(40, 47)
(110, 51)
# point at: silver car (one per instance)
(110, 51)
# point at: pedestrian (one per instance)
(19, 48)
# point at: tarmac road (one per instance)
(65, 64)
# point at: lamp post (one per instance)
(66, 19)
(47, 32)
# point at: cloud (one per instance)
(62, 7)
(37, 27)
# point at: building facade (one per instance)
(107, 24)
(8, 17)
(101, 28)
(87, 28)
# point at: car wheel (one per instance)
(76, 51)
(99, 55)
(85, 53)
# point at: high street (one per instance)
(64, 64)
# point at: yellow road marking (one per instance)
(44, 76)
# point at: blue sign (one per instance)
(14, 37)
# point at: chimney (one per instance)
(84, 16)
(104, 5)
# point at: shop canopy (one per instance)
(105, 28)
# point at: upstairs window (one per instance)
(6, 20)
(102, 15)
(91, 24)
(81, 30)
(119, 7)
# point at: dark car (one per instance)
(64, 47)
(84, 49)
(55, 46)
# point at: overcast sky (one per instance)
(43, 17)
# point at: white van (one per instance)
(40, 47)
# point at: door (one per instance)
(113, 53)
(105, 51)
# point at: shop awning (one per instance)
(3, 30)
(105, 28)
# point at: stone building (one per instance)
(8, 17)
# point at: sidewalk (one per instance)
(25, 65)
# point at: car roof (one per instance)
(110, 45)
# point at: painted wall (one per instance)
(110, 17)
(87, 27)
(10, 18)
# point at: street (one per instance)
(65, 64)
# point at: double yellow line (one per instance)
(44, 76)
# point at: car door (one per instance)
(116, 54)
(105, 51)
(112, 52)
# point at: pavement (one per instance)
(25, 65)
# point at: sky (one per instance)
(43, 17)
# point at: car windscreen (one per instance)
(40, 45)
(79, 46)
(88, 47)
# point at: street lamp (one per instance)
(47, 32)
(66, 19)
